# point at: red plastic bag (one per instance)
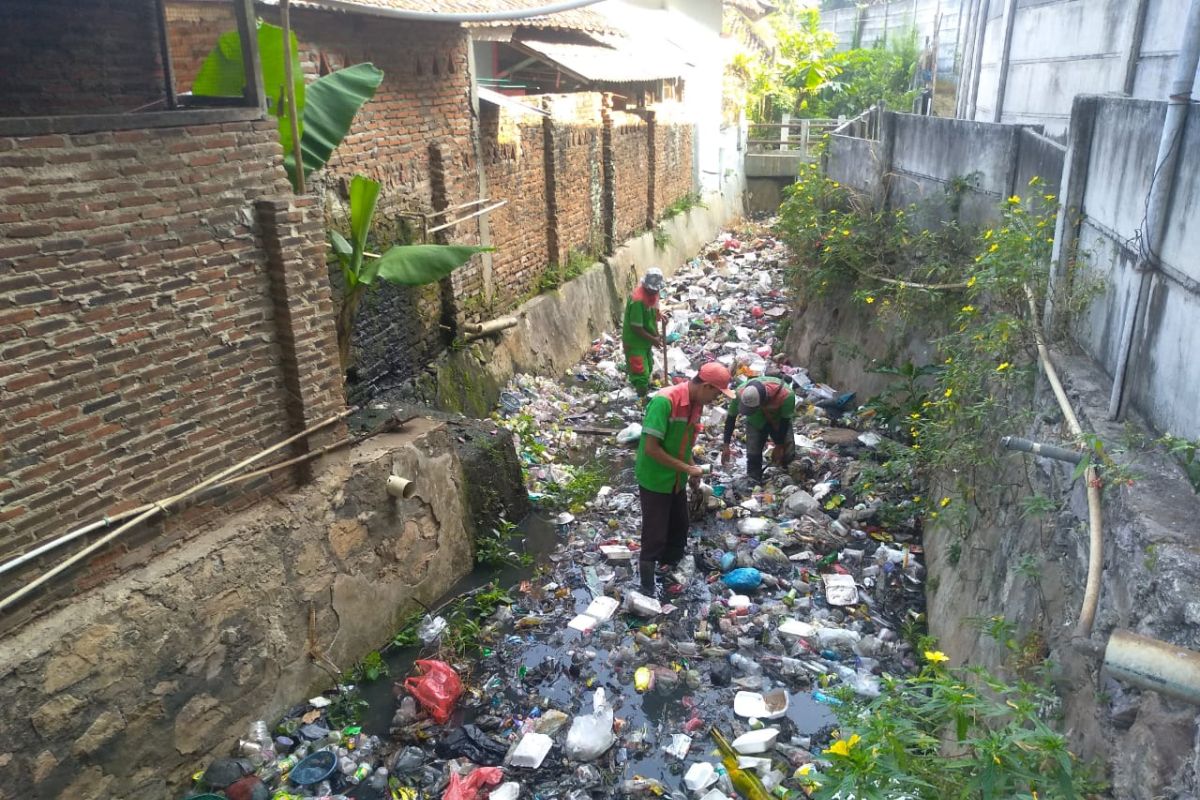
(468, 788)
(437, 689)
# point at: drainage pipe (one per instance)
(1158, 200)
(162, 505)
(1039, 449)
(1153, 664)
(1091, 591)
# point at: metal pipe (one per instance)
(433, 16)
(161, 506)
(1039, 449)
(1158, 200)
(1153, 664)
(1091, 591)
(472, 215)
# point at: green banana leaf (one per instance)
(332, 101)
(419, 264)
(364, 195)
(222, 74)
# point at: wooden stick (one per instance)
(662, 328)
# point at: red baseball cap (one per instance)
(716, 376)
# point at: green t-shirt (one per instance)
(641, 309)
(779, 412)
(673, 420)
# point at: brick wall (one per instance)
(192, 31)
(153, 284)
(631, 164)
(414, 138)
(672, 164)
(68, 57)
(580, 185)
(516, 172)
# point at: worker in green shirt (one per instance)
(664, 467)
(639, 330)
(768, 406)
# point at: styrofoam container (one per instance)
(739, 601)
(762, 765)
(602, 607)
(616, 552)
(840, 590)
(795, 629)
(506, 791)
(700, 776)
(715, 794)
(531, 750)
(772, 705)
(754, 742)
(584, 623)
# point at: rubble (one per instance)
(793, 592)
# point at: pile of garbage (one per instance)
(796, 595)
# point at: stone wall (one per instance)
(164, 313)
(128, 691)
(192, 31)
(630, 161)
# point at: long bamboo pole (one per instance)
(163, 505)
(289, 91)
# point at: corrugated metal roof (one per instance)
(619, 60)
(580, 19)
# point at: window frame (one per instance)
(252, 105)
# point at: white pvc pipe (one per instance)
(1153, 664)
(1158, 199)
(514, 15)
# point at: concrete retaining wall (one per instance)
(127, 691)
(1163, 370)
(853, 162)
(555, 328)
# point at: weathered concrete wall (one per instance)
(1031, 571)
(853, 162)
(555, 328)
(1062, 49)
(126, 691)
(1163, 371)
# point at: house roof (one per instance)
(618, 59)
(754, 9)
(580, 19)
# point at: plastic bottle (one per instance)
(745, 665)
(379, 780)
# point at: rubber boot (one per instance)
(646, 572)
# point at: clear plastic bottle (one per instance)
(745, 665)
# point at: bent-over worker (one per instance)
(768, 405)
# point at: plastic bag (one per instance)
(743, 579)
(437, 688)
(630, 433)
(468, 788)
(591, 735)
(770, 558)
(472, 743)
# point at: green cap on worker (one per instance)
(653, 280)
(716, 376)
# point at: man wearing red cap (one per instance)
(664, 466)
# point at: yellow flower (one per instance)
(870, 299)
(996, 758)
(842, 746)
(805, 769)
(845, 232)
(933, 515)
(836, 184)
(945, 501)
(914, 415)
(936, 656)
(948, 393)
(993, 248)
(1014, 200)
(1003, 367)
(968, 309)
(1049, 198)
(971, 281)
(988, 233)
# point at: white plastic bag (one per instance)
(591, 735)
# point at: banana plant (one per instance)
(325, 108)
(405, 265)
